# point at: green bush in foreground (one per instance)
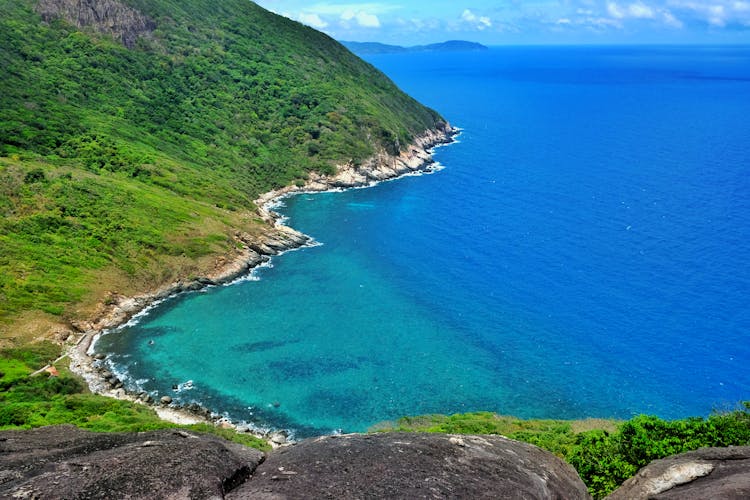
(557, 436)
(604, 458)
(27, 402)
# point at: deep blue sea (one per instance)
(585, 252)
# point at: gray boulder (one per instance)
(406, 465)
(708, 473)
(67, 462)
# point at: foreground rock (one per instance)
(396, 465)
(702, 474)
(67, 462)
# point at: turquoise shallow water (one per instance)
(583, 253)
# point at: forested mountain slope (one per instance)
(135, 135)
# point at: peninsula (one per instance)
(136, 137)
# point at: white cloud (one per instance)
(640, 11)
(362, 18)
(340, 9)
(468, 16)
(615, 10)
(368, 20)
(599, 24)
(717, 17)
(385, 18)
(637, 10)
(313, 20)
(716, 13)
(479, 22)
(670, 20)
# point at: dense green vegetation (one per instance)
(27, 401)
(606, 456)
(136, 161)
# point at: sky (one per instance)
(515, 22)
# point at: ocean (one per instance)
(583, 252)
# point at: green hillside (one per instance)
(131, 147)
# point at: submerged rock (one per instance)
(706, 473)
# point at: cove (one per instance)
(583, 253)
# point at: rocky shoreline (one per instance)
(381, 167)
(278, 239)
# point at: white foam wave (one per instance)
(254, 275)
(184, 386)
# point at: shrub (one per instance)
(604, 459)
(35, 175)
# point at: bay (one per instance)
(584, 253)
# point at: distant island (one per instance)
(362, 48)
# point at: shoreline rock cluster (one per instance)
(381, 167)
(256, 250)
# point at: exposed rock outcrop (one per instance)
(111, 17)
(702, 474)
(383, 166)
(66, 462)
(406, 465)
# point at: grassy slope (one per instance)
(124, 169)
(27, 402)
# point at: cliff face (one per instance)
(105, 16)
